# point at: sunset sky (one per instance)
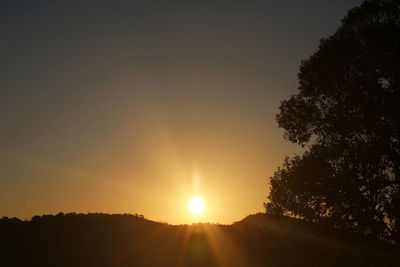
(138, 106)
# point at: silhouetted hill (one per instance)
(285, 241)
(131, 240)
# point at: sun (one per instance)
(196, 205)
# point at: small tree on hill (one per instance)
(347, 115)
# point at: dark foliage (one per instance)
(347, 115)
(129, 240)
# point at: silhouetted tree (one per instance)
(347, 115)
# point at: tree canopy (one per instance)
(347, 115)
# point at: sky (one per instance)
(138, 106)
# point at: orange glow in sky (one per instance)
(135, 108)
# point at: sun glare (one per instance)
(196, 205)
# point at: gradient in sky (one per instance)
(137, 106)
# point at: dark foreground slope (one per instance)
(129, 240)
